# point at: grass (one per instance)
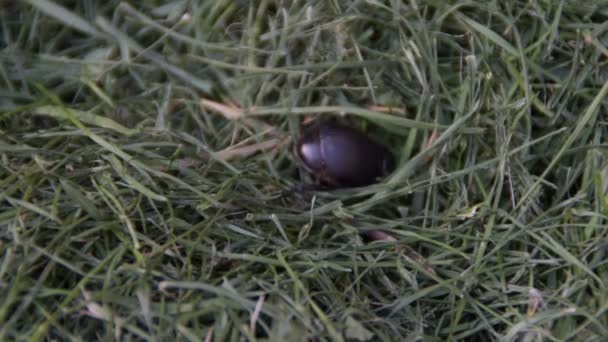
(146, 163)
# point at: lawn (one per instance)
(149, 188)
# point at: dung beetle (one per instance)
(340, 156)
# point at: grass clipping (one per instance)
(147, 171)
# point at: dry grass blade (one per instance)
(229, 112)
(247, 150)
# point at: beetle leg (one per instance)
(303, 187)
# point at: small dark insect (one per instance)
(340, 156)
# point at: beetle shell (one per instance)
(341, 156)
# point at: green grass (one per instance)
(131, 211)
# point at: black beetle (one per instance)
(341, 156)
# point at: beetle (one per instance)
(340, 156)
